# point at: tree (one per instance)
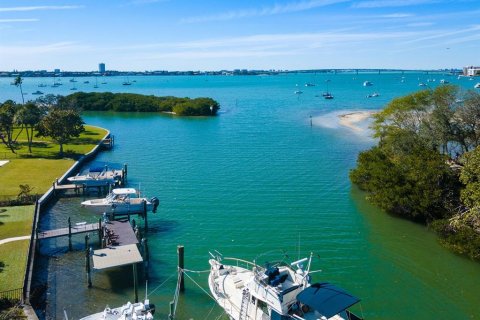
(7, 114)
(18, 83)
(470, 177)
(403, 176)
(61, 125)
(28, 116)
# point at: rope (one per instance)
(158, 287)
(194, 271)
(207, 293)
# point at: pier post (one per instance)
(69, 234)
(181, 260)
(53, 187)
(146, 256)
(125, 173)
(100, 230)
(135, 284)
(145, 214)
(87, 262)
(172, 308)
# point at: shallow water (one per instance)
(255, 179)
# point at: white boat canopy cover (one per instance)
(124, 191)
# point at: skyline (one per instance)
(215, 35)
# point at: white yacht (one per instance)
(277, 291)
(96, 178)
(139, 311)
(367, 84)
(122, 201)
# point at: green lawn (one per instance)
(39, 172)
(13, 259)
(45, 148)
(15, 222)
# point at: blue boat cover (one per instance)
(327, 298)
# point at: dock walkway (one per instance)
(75, 229)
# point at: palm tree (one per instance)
(18, 83)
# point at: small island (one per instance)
(131, 102)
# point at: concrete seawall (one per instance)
(39, 206)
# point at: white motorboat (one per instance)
(477, 86)
(367, 84)
(139, 311)
(276, 291)
(122, 201)
(96, 178)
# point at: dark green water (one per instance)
(255, 179)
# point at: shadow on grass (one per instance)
(2, 266)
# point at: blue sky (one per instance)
(230, 34)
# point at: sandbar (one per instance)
(353, 119)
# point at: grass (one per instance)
(45, 148)
(16, 221)
(12, 264)
(37, 171)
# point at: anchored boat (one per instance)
(96, 177)
(277, 291)
(122, 201)
(139, 311)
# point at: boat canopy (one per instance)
(124, 191)
(327, 298)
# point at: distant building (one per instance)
(471, 71)
(56, 70)
(101, 67)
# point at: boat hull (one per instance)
(117, 208)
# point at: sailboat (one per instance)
(127, 82)
(96, 83)
(327, 95)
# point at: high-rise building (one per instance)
(101, 67)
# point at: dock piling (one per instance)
(69, 234)
(135, 284)
(146, 256)
(145, 214)
(181, 260)
(100, 230)
(172, 310)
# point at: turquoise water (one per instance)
(259, 178)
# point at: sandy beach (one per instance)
(353, 119)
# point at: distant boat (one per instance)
(73, 80)
(367, 83)
(298, 92)
(127, 82)
(38, 92)
(477, 86)
(327, 96)
(373, 95)
(421, 84)
(86, 81)
(104, 82)
(42, 85)
(309, 84)
(443, 81)
(96, 83)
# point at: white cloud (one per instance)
(37, 8)
(18, 20)
(391, 3)
(32, 50)
(266, 11)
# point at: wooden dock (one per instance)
(75, 229)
